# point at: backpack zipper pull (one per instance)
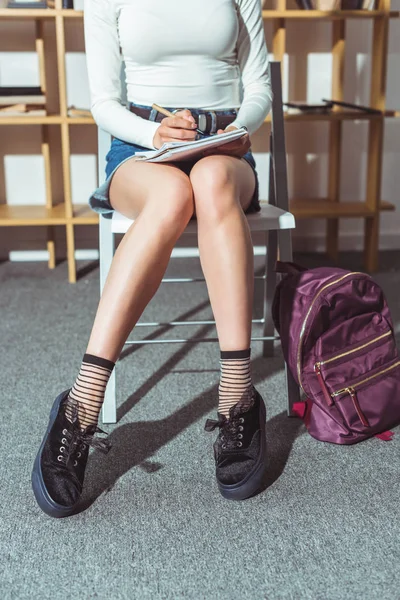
(327, 396)
(361, 415)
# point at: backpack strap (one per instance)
(290, 268)
(386, 436)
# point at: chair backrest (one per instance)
(103, 137)
(122, 77)
(278, 192)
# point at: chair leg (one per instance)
(107, 248)
(292, 391)
(106, 245)
(109, 410)
(285, 245)
(269, 291)
(292, 388)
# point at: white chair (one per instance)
(274, 220)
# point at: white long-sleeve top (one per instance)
(208, 54)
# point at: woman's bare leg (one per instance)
(223, 187)
(160, 199)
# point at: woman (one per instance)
(177, 54)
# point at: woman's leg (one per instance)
(160, 200)
(223, 186)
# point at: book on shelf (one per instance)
(65, 4)
(351, 4)
(27, 4)
(368, 5)
(305, 4)
(175, 151)
(21, 95)
(22, 110)
(23, 99)
(326, 105)
(352, 106)
(297, 107)
(327, 4)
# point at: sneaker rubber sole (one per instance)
(46, 503)
(252, 482)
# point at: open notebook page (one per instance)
(177, 148)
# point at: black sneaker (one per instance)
(59, 468)
(240, 449)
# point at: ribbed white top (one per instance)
(208, 54)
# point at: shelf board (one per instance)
(71, 13)
(324, 208)
(385, 205)
(291, 14)
(27, 13)
(339, 115)
(46, 120)
(334, 15)
(84, 215)
(333, 116)
(33, 120)
(328, 14)
(32, 215)
(80, 120)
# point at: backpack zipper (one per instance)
(360, 413)
(317, 366)
(346, 389)
(303, 327)
(327, 396)
(351, 388)
(376, 339)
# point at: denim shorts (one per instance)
(121, 151)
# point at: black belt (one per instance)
(208, 121)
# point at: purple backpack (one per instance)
(338, 342)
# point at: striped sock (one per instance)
(87, 393)
(235, 383)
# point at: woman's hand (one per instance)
(235, 148)
(180, 127)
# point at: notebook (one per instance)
(175, 151)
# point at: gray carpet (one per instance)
(154, 525)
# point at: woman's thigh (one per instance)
(135, 183)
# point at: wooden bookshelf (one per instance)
(68, 215)
(323, 208)
(331, 208)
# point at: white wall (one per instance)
(307, 76)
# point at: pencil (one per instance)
(167, 113)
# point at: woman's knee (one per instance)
(163, 192)
(171, 203)
(214, 187)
